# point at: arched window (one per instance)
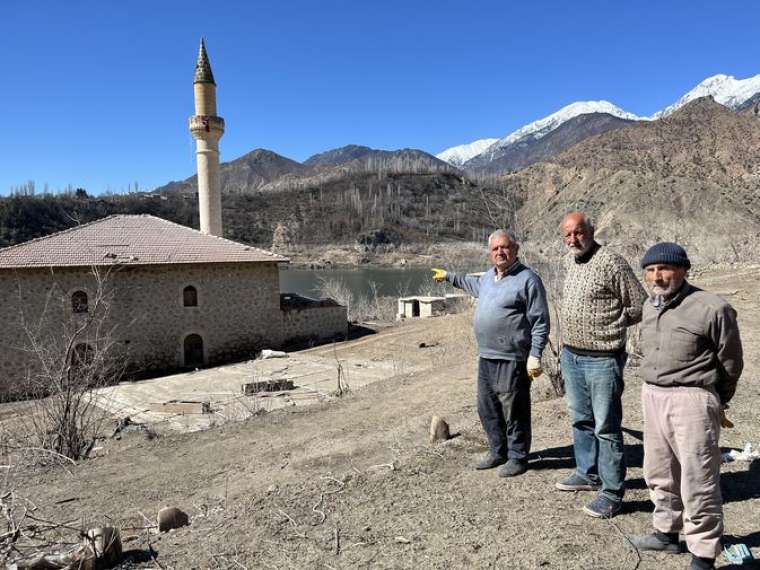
(79, 302)
(193, 348)
(190, 296)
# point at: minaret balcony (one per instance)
(200, 125)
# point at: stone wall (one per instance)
(144, 320)
(238, 313)
(315, 323)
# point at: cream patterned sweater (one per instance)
(601, 298)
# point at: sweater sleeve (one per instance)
(468, 283)
(724, 332)
(537, 313)
(630, 292)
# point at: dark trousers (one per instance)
(504, 406)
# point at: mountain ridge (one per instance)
(725, 89)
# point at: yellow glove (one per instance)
(724, 421)
(534, 367)
(439, 275)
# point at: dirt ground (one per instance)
(353, 482)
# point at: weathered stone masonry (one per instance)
(238, 312)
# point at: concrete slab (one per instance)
(315, 377)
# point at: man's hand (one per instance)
(724, 421)
(439, 275)
(534, 367)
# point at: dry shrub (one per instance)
(70, 355)
(373, 307)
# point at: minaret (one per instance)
(207, 129)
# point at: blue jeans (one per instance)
(594, 387)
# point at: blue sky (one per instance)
(96, 94)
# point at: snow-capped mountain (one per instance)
(458, 155)
(486, 148)
(541, 127)
(725, 89)
(581, 120)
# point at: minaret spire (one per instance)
(207, 128)
(203, 72)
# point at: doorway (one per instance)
(193, 351)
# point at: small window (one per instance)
(190, 296)
(79, 302)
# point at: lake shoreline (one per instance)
(418, 256)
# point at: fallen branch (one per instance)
(322, 495)
(390, 465)
(628, 540)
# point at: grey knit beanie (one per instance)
(667, 253)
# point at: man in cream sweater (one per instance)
(601, 298)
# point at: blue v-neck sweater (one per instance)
(512, 317)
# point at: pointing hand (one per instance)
(439, 275)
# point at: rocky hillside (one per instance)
(751, 105)
(692, 177)
(248, 173)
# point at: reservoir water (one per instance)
(390, 281)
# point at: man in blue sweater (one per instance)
(511, 327)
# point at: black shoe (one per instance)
(490, 461)
(698, 563)
(513, 468)
(657, 542)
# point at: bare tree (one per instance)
(71, 353)
(500, 202)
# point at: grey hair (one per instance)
(509, 234)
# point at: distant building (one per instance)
(175, 298)
(166, 296)
(424, 306)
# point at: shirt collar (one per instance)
(660, 303)
(507, 272)
(586, 257)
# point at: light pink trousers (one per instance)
(682, 464)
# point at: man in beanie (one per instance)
(692, 362)
(601, 298)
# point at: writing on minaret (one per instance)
(207, 128)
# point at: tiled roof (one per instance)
(129, 240)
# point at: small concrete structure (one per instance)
(420, 306)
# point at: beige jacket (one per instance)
(692, 341)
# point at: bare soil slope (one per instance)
(353, 483)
